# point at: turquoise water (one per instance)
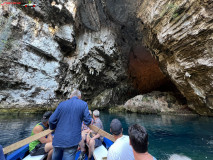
(191, 136)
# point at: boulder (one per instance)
(156, 102)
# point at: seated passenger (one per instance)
(120, 149)
(84, 131)
(85, 128)
(139, 142)
(93, 140)
(44, 144)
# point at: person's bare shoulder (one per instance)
(37, 129)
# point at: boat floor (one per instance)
(100, 153)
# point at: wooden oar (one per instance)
(25, 141)
(102, 132)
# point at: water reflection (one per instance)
(191, 136)
(14, 127)
(185, 135)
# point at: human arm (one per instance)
(53, 120)
(92, 136)
(50, 137)
(87, 118)
(86, 130)
(39, 129)
(95, 135)
(98, 124)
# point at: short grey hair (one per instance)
(96, 113)
(76, 93)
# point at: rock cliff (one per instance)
(180, 34)
(110, 50)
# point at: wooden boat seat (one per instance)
(100, 153)
(40, 157)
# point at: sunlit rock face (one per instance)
(156, 102)
(29, 60)
(48, 50)
(97, 65)
(180, 34)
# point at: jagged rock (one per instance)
(65, 36)
(29, 62)
(156, 102)
(46, 46)
(89, 15)
(180, 34)
(103, 99)
(110, 97)
(98, 64)
(47, 50)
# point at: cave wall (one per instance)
(48, 50)
(144, 71)
(180, 34)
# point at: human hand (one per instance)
(88, 138)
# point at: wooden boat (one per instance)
(100, 153)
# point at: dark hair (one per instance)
(138, 138)
(116, 127)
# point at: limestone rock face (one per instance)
(156, 102)
(180, 34)
(29, 60)
(48, 50)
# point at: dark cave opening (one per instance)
(146, 75)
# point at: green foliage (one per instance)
(171, 7)
(145, 99)
(4, 41)
(174, 15)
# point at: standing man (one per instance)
(120, 149)
(44, 144)
(67, 120)
(139, 142)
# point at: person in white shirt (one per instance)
(120, 149)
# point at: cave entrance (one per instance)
(146, 75)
